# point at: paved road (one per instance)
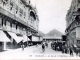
(31, 51)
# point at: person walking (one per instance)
(62, 48)
(46, 44)
(43, 47)
(22, 45)
(71, 52)
(37, 45)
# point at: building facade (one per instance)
(73, 24)
(18, 18)
(52, 38)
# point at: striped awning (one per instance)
(3, 37)
(14, 36)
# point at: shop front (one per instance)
(3, 41)
(15, 40)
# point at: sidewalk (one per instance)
(19, 50)
(18, 53)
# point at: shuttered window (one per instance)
(0, 23)
(21, 12)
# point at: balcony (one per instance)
(78, 7)
(25, 2)
(76, 13)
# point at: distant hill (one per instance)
(54, 32)
(41, 33)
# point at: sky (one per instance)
(52, 14)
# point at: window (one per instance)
(20, 29)
(16, 9)
(24, 14)
(32, 14)
(16, 27)
(0, 23)
(13, 27)
(29, 2)
(4, 22)
(78, 41)
(21, 12)
(5, 2)
(8, 25)
(11, 4)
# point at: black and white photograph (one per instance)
(39, 29)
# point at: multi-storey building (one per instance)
(18, 20)
(73, 24)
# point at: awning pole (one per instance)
(4, 45)
(12, 42)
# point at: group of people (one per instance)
(44, 45)
(67, 50)
(57, 46)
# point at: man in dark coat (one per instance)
(71, 51)
(43, 47)
(22, 45)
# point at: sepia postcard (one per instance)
(39, 29)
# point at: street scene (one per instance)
(32, 29)
(33, 51)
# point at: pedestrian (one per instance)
(46, 44)
(37, 45)
(43, 47)
(22, 45)
(56, 46)
(63, 49)
(77, 52)
(66, 50)
(71, 52)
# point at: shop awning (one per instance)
(14, 36)
(21, 38)
(30, 37)
(77, 38)
(26, 38)
(3, 37)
